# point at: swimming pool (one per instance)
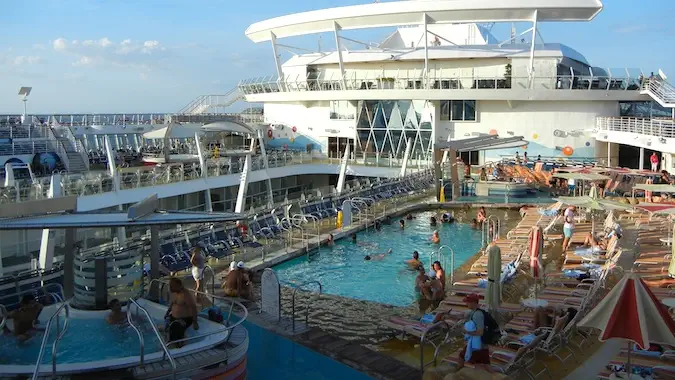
(90, 343)
(342, 270)
(271, 356)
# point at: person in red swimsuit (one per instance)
(243, 228)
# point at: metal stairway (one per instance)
(204, 103)
(75, 160)
(659, 90)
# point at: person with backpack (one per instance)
(486, 328)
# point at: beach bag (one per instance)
(491, 332)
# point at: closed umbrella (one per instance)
(535, 250)
(633, 313)
(493, 293)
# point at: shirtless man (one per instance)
(24, 318)
(182, 312)
(415, 262)
(116, 315)
(379, 256)
(237, 282)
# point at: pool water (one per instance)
(85, 340)
(342, 270)
(271, 356)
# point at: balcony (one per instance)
(655, 134)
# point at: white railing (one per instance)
(205, 102)
(660, 89)
(651, 127)
(417, 81)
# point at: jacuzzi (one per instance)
(90, 344)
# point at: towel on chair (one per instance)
(473, 343)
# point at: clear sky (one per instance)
(105, 56)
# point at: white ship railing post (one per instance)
(426, 51)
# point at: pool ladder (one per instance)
(59, 334)
(167, 354)
(308, 302)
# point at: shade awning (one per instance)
(656, 188)
(173, 131)
(402, 13)
(482, 143)
(229, 126)
(117, 219)
(582, 176)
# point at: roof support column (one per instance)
(534, 38)
(426, 51)
(406, 156)
(343, 171)
(338, 45)
(277, 62)
(69, 263)
(243, 180)
(48, 240)
(208, 206)
(263, 153)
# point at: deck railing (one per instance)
(272, 84)
(661, 128)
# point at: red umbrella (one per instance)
(662, 208)
(632, 312)
(536, 248)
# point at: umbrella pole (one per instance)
(628, 366)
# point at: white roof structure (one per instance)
(552, 50)
(402, 13)
(487, 142)
(229, 126)
(439, 35)
(172, 131)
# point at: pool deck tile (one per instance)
(359, 357)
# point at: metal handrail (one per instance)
(141, 339)
(441, 258)
(437, 347)
(159, 336)
(214, 297)
(31, 291)
(306, 310)
(4, 315)
(213, 278)
(59, 335)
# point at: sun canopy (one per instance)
(593, 203)
(582, 176)
(658, 188)
(172, 131)
(482, 143)
(402, 13)
(229, 126)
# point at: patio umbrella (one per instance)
(633, 313)
(535, 250)
(657, 208)
(493, 293)
(594, 204)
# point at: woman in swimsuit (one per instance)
(198, 262)
(182, 311)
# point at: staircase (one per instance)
(77, 164)
(659, 90)
(204, 103)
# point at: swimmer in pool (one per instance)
(402, 223)
(415, 262)
(432, 221)
(330, 241)
(410, 217)
(435, 239)
(24, 318)
(474, 224)
(377, 257)
(116, 316)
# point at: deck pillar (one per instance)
(69, 263)
(406, 156)
(343, 171)
(208, 206)
(46, 258)
(338, 45)
(534, 38)
(243, 181)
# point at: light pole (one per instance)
(23, 95)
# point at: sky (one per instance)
(145, 56)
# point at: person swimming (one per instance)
(435, 239)
(447, 218)
(432, 221)
(378, 256)
(25, 318)
(415, 262)
(474, 223)
(116, 316)
(401, 223)
(410, 217)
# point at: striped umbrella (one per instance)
(493, 293)
(632, 312)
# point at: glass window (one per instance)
(457, 109)
(341, 109)
(470, 110)
(445, 110)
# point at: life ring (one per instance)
(270, 133)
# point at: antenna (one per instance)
(23, 95)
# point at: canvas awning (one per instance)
(656, 188)
(582, 176)
(482, 143)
